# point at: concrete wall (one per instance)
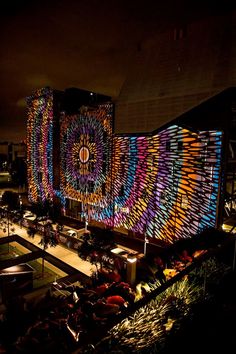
(175, 71)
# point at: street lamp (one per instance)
(146, 240)
(86, 225)
(20, 202)
(131, 268)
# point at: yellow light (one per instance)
(131, 258)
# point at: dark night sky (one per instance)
(87, 44)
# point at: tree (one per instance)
(49, 239)
(19, 172)
(11, 200)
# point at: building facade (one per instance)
(166, 184)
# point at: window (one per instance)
(40, 177)
(163, 198)
(144, 194)
(104, 165)
(103, 188)
(90, 187)
(180, 145)
(91, 166)
(104, 137)
(122, 169)
(168, 146)
(77, 185)
(152, 162)
(204, 150)
(122, 191)
(122, 158)
(184, 202)
(180, 32)
(91, 137)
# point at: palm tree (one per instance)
(49, 239)
(10, 201)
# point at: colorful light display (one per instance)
(164, 185)
(86, 148)
(40, 145)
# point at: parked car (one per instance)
(29, 215)
(72, 233)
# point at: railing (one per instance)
(199, 263)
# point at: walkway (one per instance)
(68, 256)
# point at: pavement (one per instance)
(67, 255)
(61, 252)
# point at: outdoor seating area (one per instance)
(75, 311)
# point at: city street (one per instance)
(61, 252)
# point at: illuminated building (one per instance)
(166, 185)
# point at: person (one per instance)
(159, 262)
(115, 276)
(160, 269)
(185, 257)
